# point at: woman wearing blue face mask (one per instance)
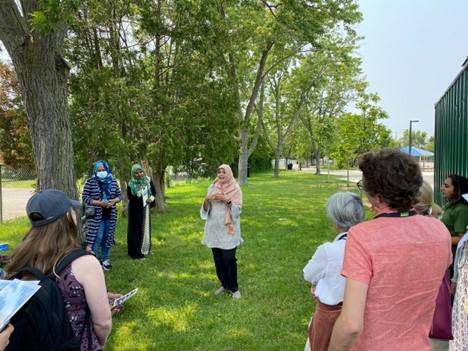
(102, 192)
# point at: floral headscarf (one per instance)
(136, 184)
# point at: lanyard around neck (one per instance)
(397, 214)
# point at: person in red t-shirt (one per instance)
(393, 264)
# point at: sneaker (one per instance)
(220, 290)
(236, 295)
(106, 265)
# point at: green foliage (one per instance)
(283, 222)
(430, 145)
(260, 160)
(359, 133)
(334, 84)
(419, 139)
(15, 141)
(152, 92)
(53, 14)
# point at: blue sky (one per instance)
(412, 51)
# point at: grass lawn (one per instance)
(283, 221)
(23, 184)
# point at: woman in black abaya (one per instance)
(140, 191)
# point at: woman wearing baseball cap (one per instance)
(52, 236)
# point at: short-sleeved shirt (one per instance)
(402, 260)
(455, 218)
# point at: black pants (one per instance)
(226, 268)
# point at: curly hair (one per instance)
(393, 176)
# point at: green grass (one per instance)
(22, 184)
(283, 221)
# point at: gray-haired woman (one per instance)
(344, 209)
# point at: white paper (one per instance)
(144, 195)
(13, 295)
(124, 298)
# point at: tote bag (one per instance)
(442, 320)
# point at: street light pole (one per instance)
(410, 135)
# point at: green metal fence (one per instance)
(451, 132)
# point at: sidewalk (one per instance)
(356, 175)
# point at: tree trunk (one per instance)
(243, 156)
(159, 185)
(316, 156)
(157, 174)
(276, 171)
(43, 79)
(123, 188)
(317, 164)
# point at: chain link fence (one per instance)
(16, 187)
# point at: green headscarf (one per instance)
(135, 183)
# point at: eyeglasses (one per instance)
(360, 185)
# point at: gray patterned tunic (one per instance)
(215, 234)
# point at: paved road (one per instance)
(14, 202)
(356, 175)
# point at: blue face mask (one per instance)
(101, 174)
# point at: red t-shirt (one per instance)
(403, 261)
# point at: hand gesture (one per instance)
(221, 198)
(210, 197)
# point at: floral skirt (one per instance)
(459, 318)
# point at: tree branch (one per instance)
(258, 81)
(271, 7)
(14, 30)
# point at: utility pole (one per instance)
(410, 135)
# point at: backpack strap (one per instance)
(64, 262)
(32, 270)
(69, 258)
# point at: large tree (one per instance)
(283, 106)
(33, 33)
(148, 88)
(336, 73)
(259, 36)
(360, 132)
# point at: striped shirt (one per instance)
(92, 191)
